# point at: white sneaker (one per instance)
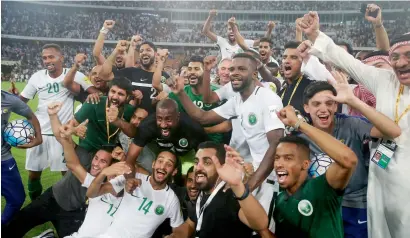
(46, 234)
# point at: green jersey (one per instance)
(314, 211)
(97, 135)
(198, 101)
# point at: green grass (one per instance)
(47, 179)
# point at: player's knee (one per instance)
(34, 175)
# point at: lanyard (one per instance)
(294, 90)
(200, 211)
(397, 117)
(108, 125)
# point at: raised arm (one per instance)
(208, 96)
(99, 43)
(162, 56)
(251, 212)
(68, 81)
(271, 26)
(339, 172)
(98, 187)
(199, 115)
(206, 30)
(324, 48)
(64, 133)
(131, 53)
(382, 39)
(299, 33)
(238, 37)
(383, 126)
(106, 70)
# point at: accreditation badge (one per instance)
(384, 153)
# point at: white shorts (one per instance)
(265, 195)
(49, 154)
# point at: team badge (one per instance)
(163, 79)
(5, 110)
(252, 119)
(183, 142)
(87, 81)
(305, 208)
(159, 210)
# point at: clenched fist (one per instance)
(121, 46)
(80, 59)
(112, 113)
(109, 24)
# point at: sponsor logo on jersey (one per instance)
(305, 208)
(159, 210)
(252, 119)
(183, 142)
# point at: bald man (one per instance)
(166, 129)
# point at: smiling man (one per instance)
(255, 108)
(105, 119)
(147, 201)
(193, 90)
(63, 204)
(321, 100)
(48, 85)
(295, 82)
(310, 207)
(387, 217)
(166, 129)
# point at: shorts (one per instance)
(266, 195)
(49, 154)
(355, 222)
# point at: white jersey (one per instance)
(100, 214)
(257, 116)
(52, 90)
(141, 212)
(228, 50)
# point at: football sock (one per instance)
(34, 188)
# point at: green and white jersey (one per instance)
(199, 102)
(314, 211)
(100, 214)
(52, 90)
(141, 212)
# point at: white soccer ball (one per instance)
(319, 165)
(18, 132)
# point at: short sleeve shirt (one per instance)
(185, 137)
(257, 116)
(198, 101)
(142, 80)
(228, 50)
(313, 211)
(10, 103)
(97, 134)
(354, 132)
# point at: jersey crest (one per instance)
(159, 210)
(252, 119)
(305, 207)
(183, 142)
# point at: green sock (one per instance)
(34, 188)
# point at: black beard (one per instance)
(149, 64)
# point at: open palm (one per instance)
(231, 172)
(344, 91)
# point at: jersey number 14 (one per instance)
(145, 207)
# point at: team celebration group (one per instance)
(231, 145)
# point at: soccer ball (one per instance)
(17, 132)
(319, 165)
